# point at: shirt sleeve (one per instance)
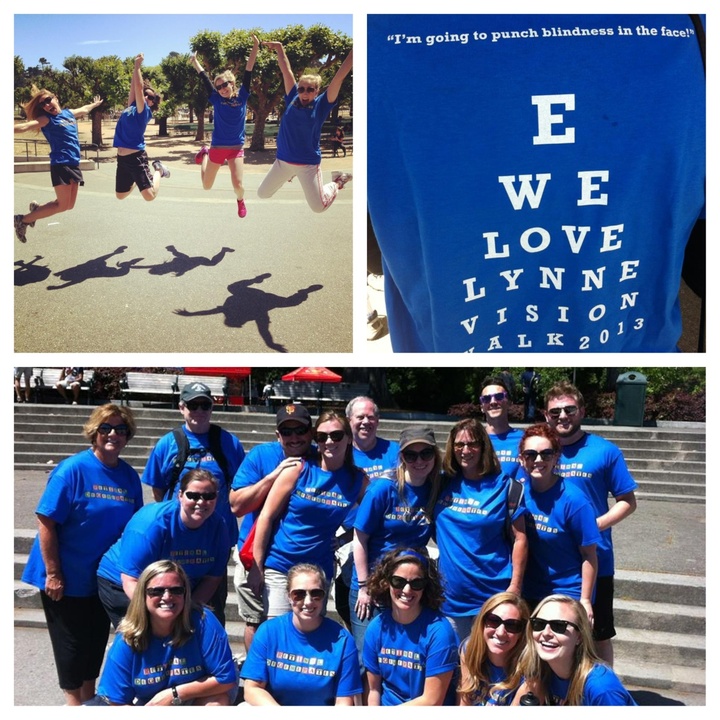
(216, 651)
(349, 683)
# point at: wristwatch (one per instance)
(176, 698)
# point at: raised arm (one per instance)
(196, 63)
(136, 85)
(85, 109)
(334, 87)
(253, 54)
(283, 62)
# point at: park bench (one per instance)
(47, 378)
(333, 394)
(326, 146)
(218, 386)
(152, 386)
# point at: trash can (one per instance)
(630, 391)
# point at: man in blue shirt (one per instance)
(495, 402)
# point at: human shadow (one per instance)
(248, 304)
(95, 268)
(182, 263)
(28, 273)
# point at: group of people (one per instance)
(298, 143)
(511, 603)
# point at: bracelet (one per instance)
(362, 583)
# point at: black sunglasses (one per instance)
(299, 595)
(158, 592)
(411, 456)
(497, 397)
(398, 582)
(335, 436)
(570, 411)
(532, 455)
(47, 100)
(559, 627)
(198, 405)
(198, 495)
(222, 85)
(471, 445)
(513, 626)
(290, 431)
(107, 428)
(302, 90)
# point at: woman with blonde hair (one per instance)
(88, 500)
(228, 138)
(168, 651)
(489, 656)
(59, 126)
(479, 532)
(559, 664)
(394, 513)
(298, 141)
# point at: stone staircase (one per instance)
(660, 617)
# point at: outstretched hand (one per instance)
(139, 60)
(273, 45)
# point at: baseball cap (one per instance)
(419, 434)
(195, 390)
(293, 412)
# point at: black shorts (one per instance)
(604, 623)
(66, 175)
(79, 629)
(133, 170)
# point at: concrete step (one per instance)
(662, 616)
(662, 587)
(678, 649)
(661, 676)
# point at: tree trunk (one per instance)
(96, 134)
(200, 134)
(162, 127)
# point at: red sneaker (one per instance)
(242, 210)
(202, 152)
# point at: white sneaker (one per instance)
(341, 178)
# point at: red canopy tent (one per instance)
(235, 375)
(310, 374)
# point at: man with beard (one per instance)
(495, 402)
(251, 486)
(598, 467)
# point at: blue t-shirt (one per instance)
(130, 128)
(229, 119)
(556, 216)
(598, 468)
(62, 134)
(558, 522)
(475, 556)
(129, 676)
(91, 504)
(298, 139)
(404, 655)
(317, 507)
(158, 469)
(507, 449)
(389, 521)
(303, 668)
(158, 533)
(495, 675)
(381, 461)
(602, 687)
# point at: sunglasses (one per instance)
(335, 436)
(198, 405)
(158, 592)
(107, 428)
(302, 89)
(531, 455)
(399, 583)
(411, 456)
(569, 410)
(222, 85)
(299, 595)
(47, 100)
(290, 431)
(559, 627)
(198, 495)
(471, 445)
(497, 397)
(513, 626)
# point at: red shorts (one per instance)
(220, 155)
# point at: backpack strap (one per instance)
(516, 490)
(217, 452)
(183, 449)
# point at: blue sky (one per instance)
(56, 37)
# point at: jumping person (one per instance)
(132, 160)
(298, 140)
(228, 139)
(59, 126)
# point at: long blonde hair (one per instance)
(477, 688)
(33, 107)
(536, 670)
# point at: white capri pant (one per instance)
(319, 197)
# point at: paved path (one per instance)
(109, 276)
